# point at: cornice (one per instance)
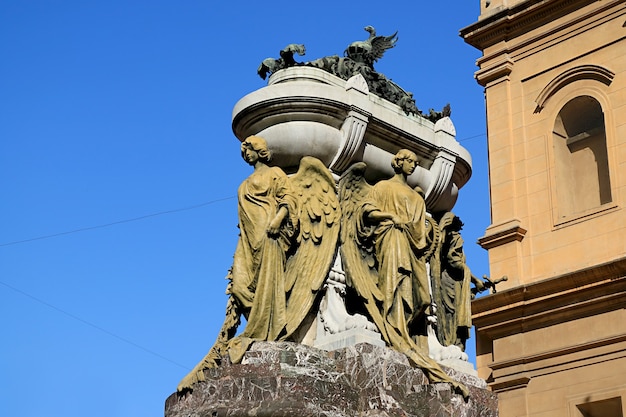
(495, 72)
(559, 353)
(564, 297)
(507, 232)
(516, 373)
(524, 17)
(559, 283)
(511, 384)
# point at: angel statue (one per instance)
(383, 246)
(451, 279)
(289, 230)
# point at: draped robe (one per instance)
(402, 276)
(258, 270)
(455, 311)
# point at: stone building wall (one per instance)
(553, 342)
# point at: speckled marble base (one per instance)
(287, 379)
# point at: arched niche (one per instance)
(580, 157)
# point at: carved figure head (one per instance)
(398, 161)
(450, 222)
(457, 224)
(257, 144)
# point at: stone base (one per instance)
(287, 379)
(459, 365)
(348, 338)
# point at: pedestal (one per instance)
(287, 379)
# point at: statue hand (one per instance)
(274, 227)
(479, 284)
(396, 221)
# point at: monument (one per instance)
(349, 268)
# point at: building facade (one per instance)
(552, 341)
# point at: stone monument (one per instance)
(349, 268)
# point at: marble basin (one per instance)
(307, 111)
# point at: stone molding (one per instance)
(582, 72)
(540, 361)
(564, 298)
(503, 233)
(517, 20)
(357, 83)
(444, 166)
(352, 134)
(511, 384)
(501, 36)
(551, 301)
(516, 373)
(495, 72)
(445, 125)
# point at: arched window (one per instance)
(581, 162)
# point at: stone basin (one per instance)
(307, 111)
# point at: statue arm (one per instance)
(277, 221)
(455, 256)
(479, 283)
(287, 204)
(377, 216)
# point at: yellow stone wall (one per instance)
(554, 336)
(521, 158)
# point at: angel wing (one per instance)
(380, 44)
(435, 263)
(358, 258)
(316, 243)
(446, 220)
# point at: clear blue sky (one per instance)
(120, 110)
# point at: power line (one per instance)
(134, 219)
(93, 325)
(100, 226)
(471, 137)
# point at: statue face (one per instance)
(408, 165)
(250, 155)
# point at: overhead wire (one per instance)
(75, 317)
(160, 213)
(472, 137)
(100, 226)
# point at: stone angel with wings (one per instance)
(289, 229)
(383, 247)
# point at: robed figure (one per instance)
(383, 245)
(393, 218)
(451, 279)
(267, 218)
(289, 229)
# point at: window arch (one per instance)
(581, 72)
(581, 159)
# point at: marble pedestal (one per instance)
(287, 379)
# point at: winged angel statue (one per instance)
(289, 231)
(384, 250)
